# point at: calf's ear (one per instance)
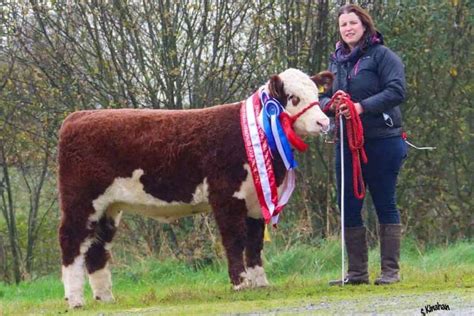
(323, 79)
(276, 89)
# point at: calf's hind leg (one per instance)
(253, 250)
(75, 239)
(97, 257)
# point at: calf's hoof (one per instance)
(107, 298)
(257, 277)
(75, 302)
(252, 278)
(242, 286)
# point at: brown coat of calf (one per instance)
(161, 163)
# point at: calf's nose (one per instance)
(324, 123)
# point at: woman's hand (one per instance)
(344, 109)
(337, 101)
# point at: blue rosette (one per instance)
(274, 132)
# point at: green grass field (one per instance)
(298, 280)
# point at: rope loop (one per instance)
(355, 139)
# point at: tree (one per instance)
(60, 56)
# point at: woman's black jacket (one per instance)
(376, 79)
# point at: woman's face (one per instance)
(351, 29)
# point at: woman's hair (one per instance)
(366, 20)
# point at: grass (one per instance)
(299, 283)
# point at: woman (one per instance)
(373, 76)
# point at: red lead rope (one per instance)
(355, 138)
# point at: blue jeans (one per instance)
(385, 158)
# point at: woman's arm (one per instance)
(391, 72)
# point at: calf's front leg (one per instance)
(230, 215)
(253, 251)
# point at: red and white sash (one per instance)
(260, 161)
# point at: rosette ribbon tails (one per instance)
(264, 134)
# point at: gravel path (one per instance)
(460, 303)
(399, 305)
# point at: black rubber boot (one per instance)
(358, 257)
(390, 236)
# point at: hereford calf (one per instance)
(165, 164)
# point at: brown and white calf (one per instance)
(165, 164)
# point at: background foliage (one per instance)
(60, 56)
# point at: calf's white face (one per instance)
(299, 86)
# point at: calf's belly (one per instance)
(163, 213)
(127, 194)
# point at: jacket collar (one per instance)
(342, 54)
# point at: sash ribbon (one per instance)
(262, 133)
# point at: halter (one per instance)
(297, 115)
(288, 121)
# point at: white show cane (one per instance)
(341, 142)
